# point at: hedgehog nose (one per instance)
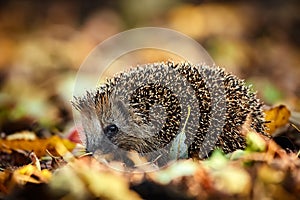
(111, 130)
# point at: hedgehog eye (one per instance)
(111, 130)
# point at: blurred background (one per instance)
(43, 43)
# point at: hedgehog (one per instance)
(145, 108)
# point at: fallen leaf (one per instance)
(38, 146)
(23, 135)
(178, 169)
(233, 180)
(277, 117)
(255, 143)
(31, 174)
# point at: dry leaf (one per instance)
(88, 180)
(38, 146)
(31, 174)
(23, 135)
(278, 117)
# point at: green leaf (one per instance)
(179, 150)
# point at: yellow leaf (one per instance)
(232, 180)
(277, 116)
(30, 173)
(88, 181)
(38, 146)
(23, 135)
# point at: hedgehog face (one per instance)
(119, 128)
